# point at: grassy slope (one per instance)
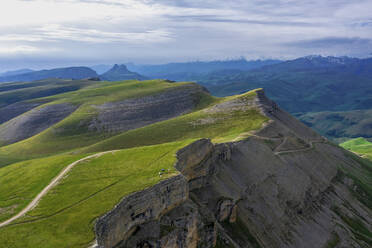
(360, 146)
(218, 126)
(73, 131)
(17, 92)
(22, 181)
(65, 217)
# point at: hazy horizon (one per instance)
(40, 34)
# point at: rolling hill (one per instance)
(145, 163)
(82, 117)
(360, 146)
(61, 73)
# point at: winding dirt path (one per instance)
(53, 183)
(276, 152)
(311, 143)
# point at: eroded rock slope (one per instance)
(33, 122)
(284, 186)
(133, 113)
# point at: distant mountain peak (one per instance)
(121, 72)
(120, 67)
(328, 59)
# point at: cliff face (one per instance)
(284, 186)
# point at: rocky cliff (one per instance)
(283, 186)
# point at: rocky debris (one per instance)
(242, 194)
(34, 122)
(129, 114)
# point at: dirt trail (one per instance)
(276, 152)
(311, 143)
(53, 183)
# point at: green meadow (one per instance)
(360, 146)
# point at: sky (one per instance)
(53, 33)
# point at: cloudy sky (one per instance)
(50, 33)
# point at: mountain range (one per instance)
(331, 94)
(310, 85)
(62, 73)
(116, 73)
(194, 70)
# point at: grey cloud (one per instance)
(195, 29)
(332, 41)
(219, 19)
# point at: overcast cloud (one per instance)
(50, 33)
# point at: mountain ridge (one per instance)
(62, 73)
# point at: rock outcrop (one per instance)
(141, 208)
(284, 186)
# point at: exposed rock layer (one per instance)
(138, 112)
(33, 122)
(283, 187)
(9, 112)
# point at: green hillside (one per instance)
(360, 146)
(65, 216)
(74, 131)
(218, 125)
(22, 181)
